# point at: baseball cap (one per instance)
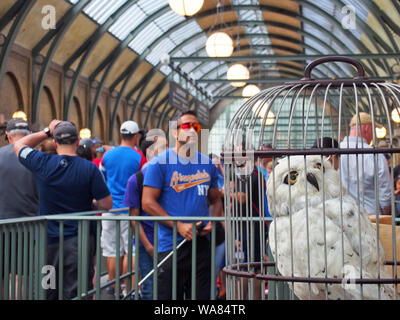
(17, 124)
(87, 143)
(129, 127)
(65, 133)
(365, 118)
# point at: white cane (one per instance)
(158, 266)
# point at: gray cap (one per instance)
(17, 124)
(65, 133)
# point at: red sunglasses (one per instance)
(186, 126)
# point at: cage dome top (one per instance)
(307, 110)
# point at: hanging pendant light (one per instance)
(186, 7)
(396, 115)
(20, 115)
(250, 90)
(380, 132)
(219, 44)
(238, 72)
(85, 133)
(270, 120)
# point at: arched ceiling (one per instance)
(118, 45)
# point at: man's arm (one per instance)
(152, 207)
(235, 196)
(142, 235)
(215, 203)
(215, 207)
(105, 204)
(32, 140)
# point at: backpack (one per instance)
(139, 179)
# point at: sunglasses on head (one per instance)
(186, 126)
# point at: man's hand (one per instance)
(53, 124)
(206, 230)
(186, 230)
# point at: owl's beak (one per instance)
(311, 179)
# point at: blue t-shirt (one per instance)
(184, 187)
(266, 176)
(119, 164)
(65, 184)
(132, 200)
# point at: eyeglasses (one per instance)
(186, 126)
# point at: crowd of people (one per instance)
(52, 171)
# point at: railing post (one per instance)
(2, 253)
(130, 254)
(98, 259)
(137, 257)
(13, 260)
(42, 256)
(31, 260)
(174, 261)
(117, 259)
(61, 261)
(85, 258)
(25, 263)
(213, 267)
(194, 243)
(37, 269)
(19, 261)
(155, 262)
(79, 293)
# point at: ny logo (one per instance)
(202, 189)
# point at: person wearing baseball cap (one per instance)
(117, 165)
(86, 149)
(18, 191)
(359, 173)
(17, 128)
(66, 184)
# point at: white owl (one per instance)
(333, 248)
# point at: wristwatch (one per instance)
(47, 131)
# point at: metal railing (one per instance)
(24, 273)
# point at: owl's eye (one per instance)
(291, 177)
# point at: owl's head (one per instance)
(294, 177)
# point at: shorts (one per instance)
(108, 239)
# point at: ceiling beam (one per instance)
(296, 57)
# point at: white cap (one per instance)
(129, 127)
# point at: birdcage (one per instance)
(307, 218)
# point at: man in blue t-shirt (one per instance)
(66, 184)
(133, 197)
(181, 182)
(118, 165)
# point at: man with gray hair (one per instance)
(18, 191)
